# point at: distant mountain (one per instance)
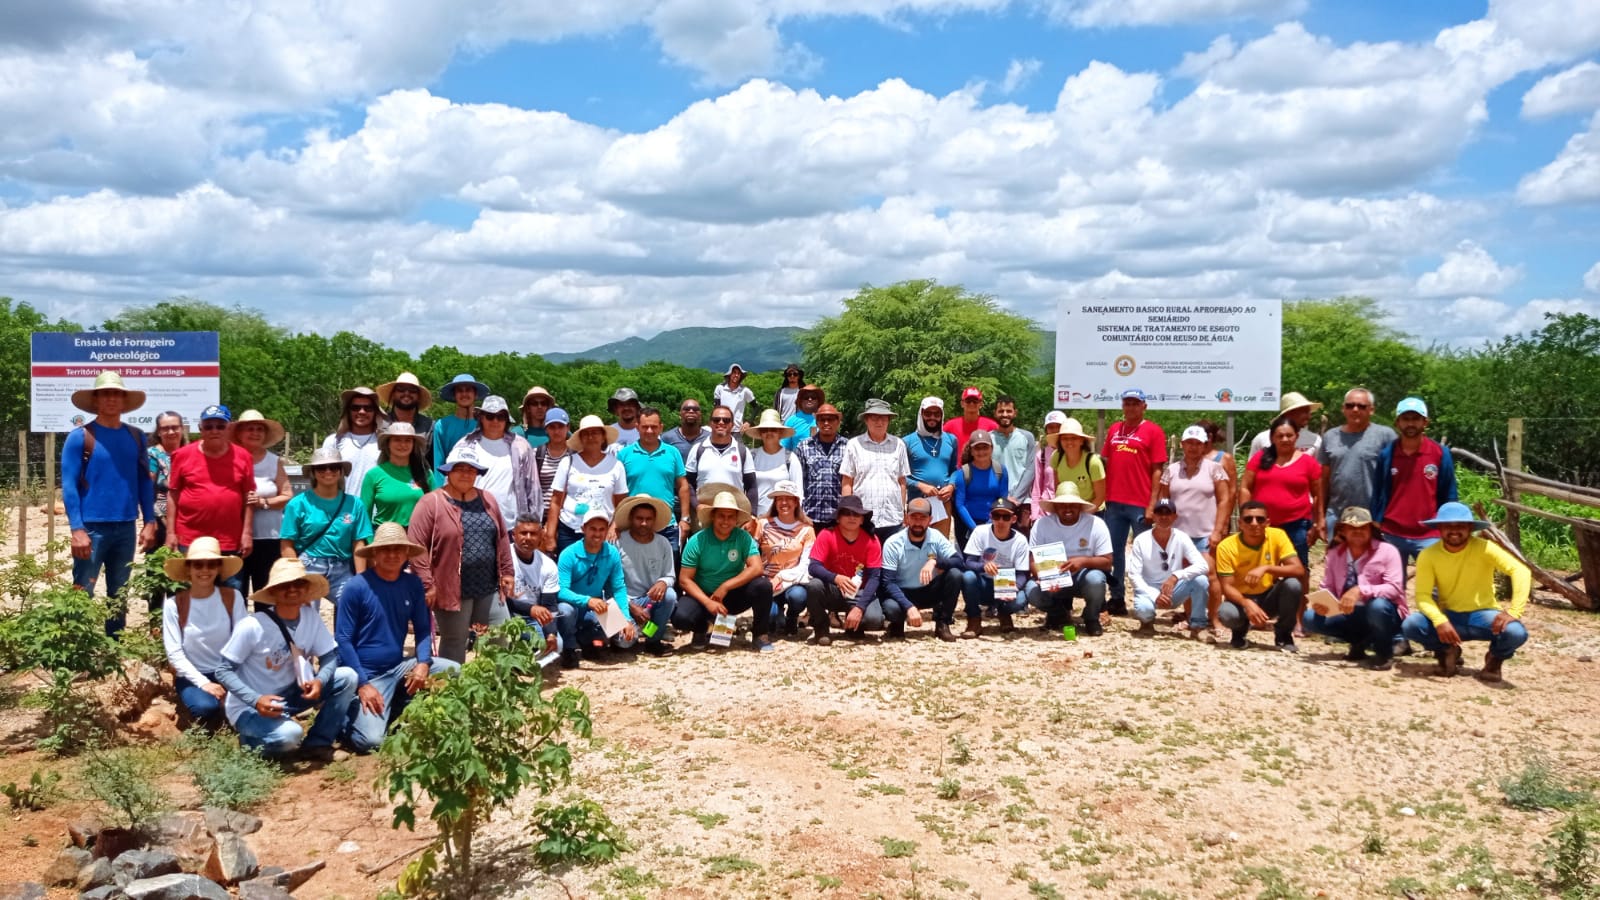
(756, 349)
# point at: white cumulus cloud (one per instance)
(1018, 74)
(1572, 177)
(1574, 90)
(1468, 270)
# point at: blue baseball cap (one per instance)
(216, 411)
(1454, 513)
(1411, 405)
(1133, 394)
(557, 416)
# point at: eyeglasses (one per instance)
(1252, 519)
(1358, 406)
(170, 428)
(497, 417)
(213, 425)
(684, 409)
(722, 420)
(536, 401)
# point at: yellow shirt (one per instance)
(1466, 580)
(1234, 555)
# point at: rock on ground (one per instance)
(176, 887)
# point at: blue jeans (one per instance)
(978, 589)
(671, 534)
(1373, 625)
(201, 706)
(787, 606)
(577, 620)
(1090, 585)
(111, 544)
(1298, 531)
(1471, 626)
(365, 730)
(1194, 590)
(1409, 548)
(337, 571)
(938, 595)
(1122, 519)
(658, 612)
(281, 735)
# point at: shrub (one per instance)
(1572, 854)
(39, 793)
(123, 780)
(578, 831)
(60, 629)
(229, 775)
(1538, 786)
(470, 744)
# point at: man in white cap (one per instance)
(1297, 409)
(512, 473)
(1349, 457)
(405, 399)
(875, 469)
(105, 486)
(1416, 477)
(590, 572)
(1014, 452)
(648, 568)
(625, 405)
(931, 453)
(1086, 548)
(375, 611)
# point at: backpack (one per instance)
(966, 471)
(88, 451)
(183, 608)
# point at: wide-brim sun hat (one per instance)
(1296, 400)
(625, 510)
(391, 534)
(202, 548)
(708, 493)
(285, 571)
(385, 391)
(108, 381)
(771, 422)
(448, 391)
(275, 430)
(537, 391)
(394, 430)
(327, 457)
(727, 499)
(785, 488)
(1455, 513)
(1067, 495)
(575, 440)
(345, 396)
(731, 367)
(1069, 428)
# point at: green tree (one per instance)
(18, 322)
(903, 341)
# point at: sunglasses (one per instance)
(213, 425)
(363, 408)
(721, 420)
(1001, 516)
(537, 401)
(1262, 519)
(1358, 406)
(404, 389)
(205, 563)
(497, 417)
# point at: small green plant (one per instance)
(895, 848)
(578, 831)
(664, 707)
(630, 878)
(1374, 842)
(71, 717)
(1538, 786)
(729, 864)
(828, 882)
(61, 629)
(1047, 891)
(231, 776)
(148, 578)
(26, 574)
(39, 793)
(1572, 855)
(469, 745)
(960, 753)
(707, 820)
(948, 789)
(123, 780)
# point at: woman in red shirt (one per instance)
(1289, 482)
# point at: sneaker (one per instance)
(1145, 629)
(1357, 653)
(701, 639)
(824, 640)
(1402, 647)
(1288, 646)
(764, 645)
(658, 648)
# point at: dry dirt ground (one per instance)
(1017, 766)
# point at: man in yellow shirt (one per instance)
(1262, 579)
(1462, 569)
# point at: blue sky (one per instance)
(538, 176)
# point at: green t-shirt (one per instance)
(1088, 470)
(306, 514)
(715, 561)
(388, 494)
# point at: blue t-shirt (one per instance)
(803, 424)
(447, 432)
(306, 515)
(932, 459)
(119, 483)
(370, 623)
(584, 575)
(974, 499)
(903, 561)
(655, 473)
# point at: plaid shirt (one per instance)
(820, 467)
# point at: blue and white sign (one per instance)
(177, 370)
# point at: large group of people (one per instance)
(617, 535)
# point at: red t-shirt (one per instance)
(1286, 490)
(1414, 491)
(1129, 453)
(958, 427)
(842, 557)
(213, 494)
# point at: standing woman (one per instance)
(786, 400)
(170, 435)
(771, 461)
(1044, 475)
(1202, 493)
(325, 526)
(1215, 437)
(785, 536)
(979, 481)
(590, 477)
(1074, 460)
(467, 570)
(196, 624)
(734, 395)
(1289, 481)
(255, 433)
(547, 457)
(392, 487)
(356, 438)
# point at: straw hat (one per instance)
(391, 534)
(726, 499)
(708, 493)
(327, 456)
(625, 511)
(1295, 400)
(785, 488)
(1067, 495)
(771, 422)
(392, 431)
(345, 396)
(287, 570)
(274, 428)
(410, 380)
(537, 391)
(202, 548)
(1070, 428)
(107, 381)
(586, 423)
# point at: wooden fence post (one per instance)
(1513, 464)
(50, 498)
(22, 492)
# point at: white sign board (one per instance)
(177, 370)
(1184, 354)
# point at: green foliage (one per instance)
(39, 793)
(123, 780)
(18, 321)
(902, 341)
(896, 848)
(470, 744)
(61, 629)
(948, 789)
(148, 577)
(27, 574)
(1572, 855)
(577, 831)
(1546, 542)
(228, 775)
(1539, 786)
(71, 718)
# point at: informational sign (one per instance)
(1183, 354)
(177, 370)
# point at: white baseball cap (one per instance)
(1196, 433)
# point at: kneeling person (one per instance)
(536, 596)
(1168, 572)
(1462, 567)
(993, 546)
(1367, 576)
(1065, 520)
(648, 568)
(922, 570)
(722, 573)
(846, 565)
(266, 668)
(1262, 579)
(590, 574)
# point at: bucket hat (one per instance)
(392, 431)
(274, 428)
(463, 453)
(876, 407)
(1454, 513)
(107, 381)
(345, 396)
(493, 405)
(623, 395)
(448, 391)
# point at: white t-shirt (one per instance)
(588, 487)
(625, 436)
(787, 397)
(197, 652)
(735, 399)
(360, 451)
(499, 480)
(771, 468)
(876, 469)
(1088, 536)
(719, 465)
(263, 661)
(1011, 553)
(266, 521)
(1148, 571)
(535, 577)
